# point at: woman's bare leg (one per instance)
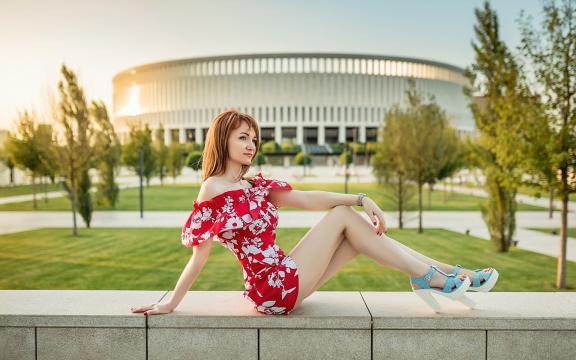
(314, 253)
(342, 256)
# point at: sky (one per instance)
(98, 39)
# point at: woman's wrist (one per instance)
(360, 199)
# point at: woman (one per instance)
(242, 215)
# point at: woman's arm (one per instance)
(323, 200)
(312, 200)
(187, 278)
(191, 272)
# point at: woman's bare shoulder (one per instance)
(210, 187)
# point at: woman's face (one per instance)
(242, 144)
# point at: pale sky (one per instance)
(98, 39)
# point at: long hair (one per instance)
(215, 152)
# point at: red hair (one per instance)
(215, 151)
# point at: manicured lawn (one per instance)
(181, 197)
(153, 259)
(6, 191)
(571, 231)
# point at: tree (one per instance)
(24, 148)
(194, 161)
(140, 138)
(270, 147)
(303, 159)
(49, 163)
(387, 162)
(107, 159)
(260, 160)
(8, 161)
(161, 151)
(429, 141)
(449, 150)
(76, 154)
(496, 77)
(288, 146)
(551, 50)
(175, 160)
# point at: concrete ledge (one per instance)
(329, 325)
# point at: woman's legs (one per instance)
(314, 254)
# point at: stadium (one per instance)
(313, 99)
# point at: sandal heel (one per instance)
(466, 301)
(426, 296)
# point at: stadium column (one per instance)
(167, 136)
(198, 132)
(362, 134)
(181, 135)
(342, 134)
(278, 134)
(321, 135)
(299, 134)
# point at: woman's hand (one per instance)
(153, 309)
(375, 214)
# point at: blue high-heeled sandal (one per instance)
(425, 291)
(489, 279)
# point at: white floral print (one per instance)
(244, 221)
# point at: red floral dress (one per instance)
(244, 221)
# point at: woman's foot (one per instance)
(439, 280)
(480, 279)
(435, 281)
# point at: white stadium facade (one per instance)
(312, 98)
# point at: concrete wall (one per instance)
(328, 325)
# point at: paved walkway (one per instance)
(458, 221)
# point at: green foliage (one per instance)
(260, 159)
(499, 119)
(270, 147)
(175, 159)
(161, 151)
(303, 159)
(288, 146)
(140, 138)
(345, 157)
(32, 149)
(194, 160)
(84, 198)
(418, 145)
(107, 156)
(76, 155)
(550, 49)
(337, 148)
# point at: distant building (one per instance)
(313, 99)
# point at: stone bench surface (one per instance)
(322, 310)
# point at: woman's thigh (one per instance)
(315, 250)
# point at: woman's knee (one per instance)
(341, 209)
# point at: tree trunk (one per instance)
(34, 204)
(12, 175)
(561, 269)
(419, 207)
(45, 185)
(444, 198)
(400, 203)
(73, 194)
(551, 204)
(429, 196)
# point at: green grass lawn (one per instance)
(6, 191)
(153, 259)
(180, 197)
(556, 231)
